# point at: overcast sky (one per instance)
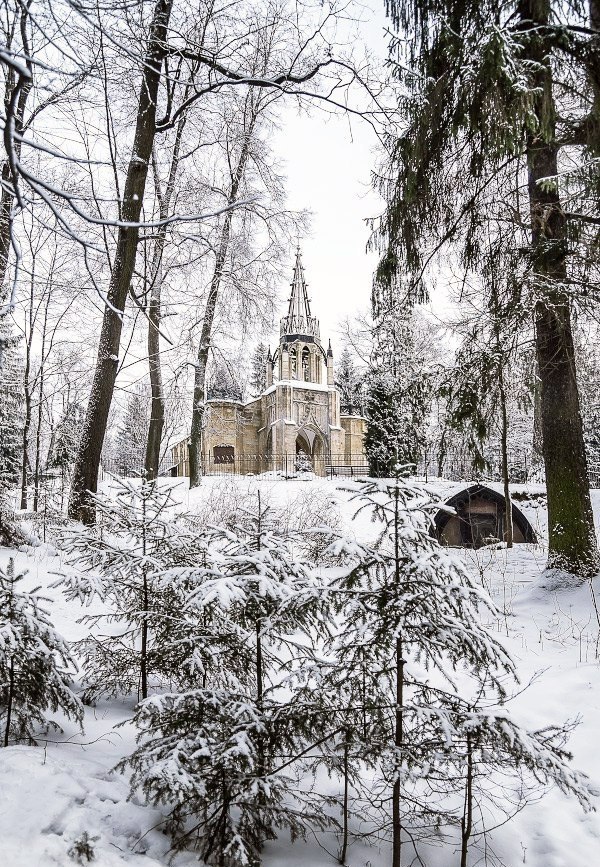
(328, 162)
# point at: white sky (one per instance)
(328, 161)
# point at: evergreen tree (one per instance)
(11, 431)
(349, 385)
(258, 375)
(130, 441)
(65, 438)
(34, 663)
(120, 561)
(410, 625)
(588, 378)
(497, 80)
(396, 397)
(223, 383)
(220, 754)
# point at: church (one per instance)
(296, 423)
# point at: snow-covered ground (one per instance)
(53, 794)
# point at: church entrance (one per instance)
(303, 454)
(310, 452)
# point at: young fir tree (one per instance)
(258, 374)
(396, 396)
(349, 385)
(508, 85)
(11, 431)
(410, 629)
(130, 440)
(221, 754)
(34, 663)
(120, 561)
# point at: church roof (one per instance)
(299, 319)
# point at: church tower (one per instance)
(296, 422)
(301, 355)
(303, 404)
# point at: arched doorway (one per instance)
(303, 453)
(310, 449)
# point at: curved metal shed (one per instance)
(479, 519)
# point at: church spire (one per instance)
(299, 320)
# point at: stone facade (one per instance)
(296, 421)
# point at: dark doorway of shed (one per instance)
(479, 518)
(477, 530)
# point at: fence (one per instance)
(287, 466)
(451, 465)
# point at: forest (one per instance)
(303, 576)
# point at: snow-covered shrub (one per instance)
(221, 755)
(231, 500)
(34, 664)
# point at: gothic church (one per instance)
(296, 422)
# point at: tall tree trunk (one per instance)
(17, 91)
(346, 800)
(157, 407)
(26, 426)
(399, 715)
(571, 536)
(40, 409)
(87, 462)
(508, 529)
(199, 399)
(9, 700)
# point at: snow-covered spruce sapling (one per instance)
(11, 432)
(222, 754)
(119, 562)
(410, 620)
(499, 767)
(34, 664)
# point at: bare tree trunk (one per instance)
(199, 399)
(87, 462)
(27, 420)
(15, 101)
(157, 406)
(571, 535)
(9, 700)
(346, 801)
(508, 529)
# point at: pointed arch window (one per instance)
(293, 362)
(306, 364)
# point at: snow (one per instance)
(53, 793)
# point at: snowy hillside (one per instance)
(63, 793)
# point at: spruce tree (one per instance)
(497, 79)
(11, 427)
(258, 374)
(121, 561)
(348, 383)
(34, 663)
(410, 692)
(396, 397)
(130, 441)
(221, 754)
